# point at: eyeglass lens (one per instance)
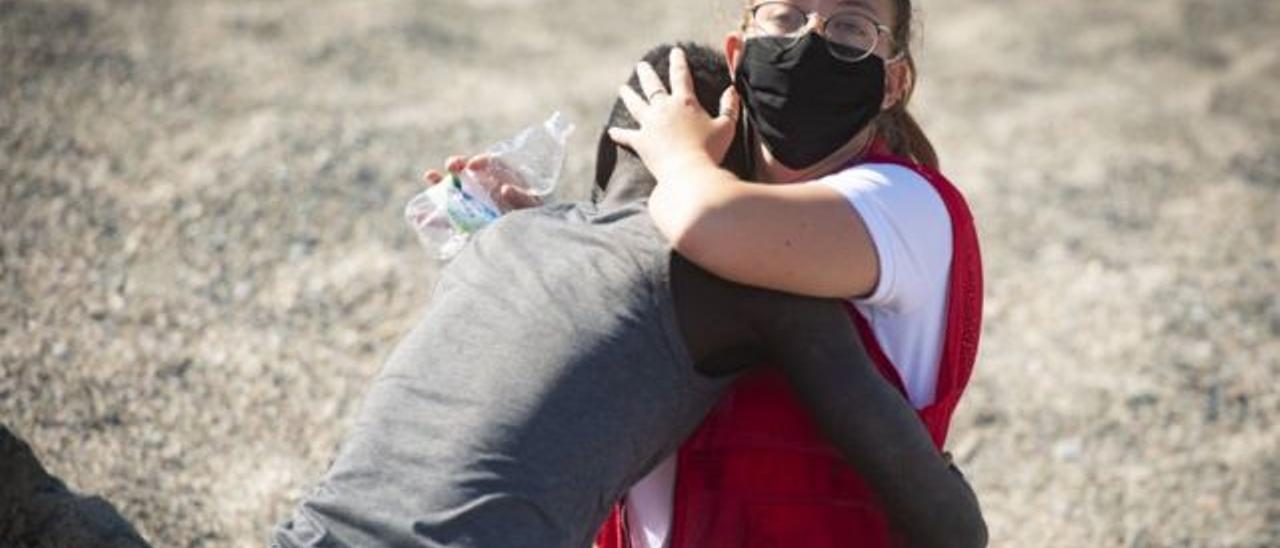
(856, 32)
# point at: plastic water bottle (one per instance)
(447, 214)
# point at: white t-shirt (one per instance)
(911, 230)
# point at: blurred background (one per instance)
(203, 260)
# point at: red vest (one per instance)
(759, 473)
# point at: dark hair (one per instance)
(710, 75)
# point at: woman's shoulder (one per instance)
(909, 225)
(905, 191)
(888, 168)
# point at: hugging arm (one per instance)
(871, 423)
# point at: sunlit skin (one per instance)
(801, 239)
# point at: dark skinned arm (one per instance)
(867, 419)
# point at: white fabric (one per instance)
(911, 230)
(649, 506)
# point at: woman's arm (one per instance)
(802, 238)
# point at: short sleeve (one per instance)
(909, 226)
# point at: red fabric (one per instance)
(758, 472)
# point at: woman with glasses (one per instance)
(852, 207)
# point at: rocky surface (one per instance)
(202, 260)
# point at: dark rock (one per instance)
(38, 511)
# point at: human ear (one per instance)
(897, 78)
(733, 51)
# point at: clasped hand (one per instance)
(504, 185)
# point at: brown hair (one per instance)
(896, 126)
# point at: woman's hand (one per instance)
(801, 238)
(504, 185)
(674, 129)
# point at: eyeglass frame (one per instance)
(811, 23)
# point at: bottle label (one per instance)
(467, 213)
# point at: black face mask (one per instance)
(804, 101)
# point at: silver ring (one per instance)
(656, 93)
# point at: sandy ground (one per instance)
(203, 262)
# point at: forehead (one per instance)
(881, 9)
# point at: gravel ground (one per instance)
(202, 259)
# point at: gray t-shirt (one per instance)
(547, 375)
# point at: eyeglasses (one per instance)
(851, 35)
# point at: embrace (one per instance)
(695, 359)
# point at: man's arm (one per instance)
(727, 326)
(870, 422)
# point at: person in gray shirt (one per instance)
(565, 352)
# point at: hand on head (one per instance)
(674, 129)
